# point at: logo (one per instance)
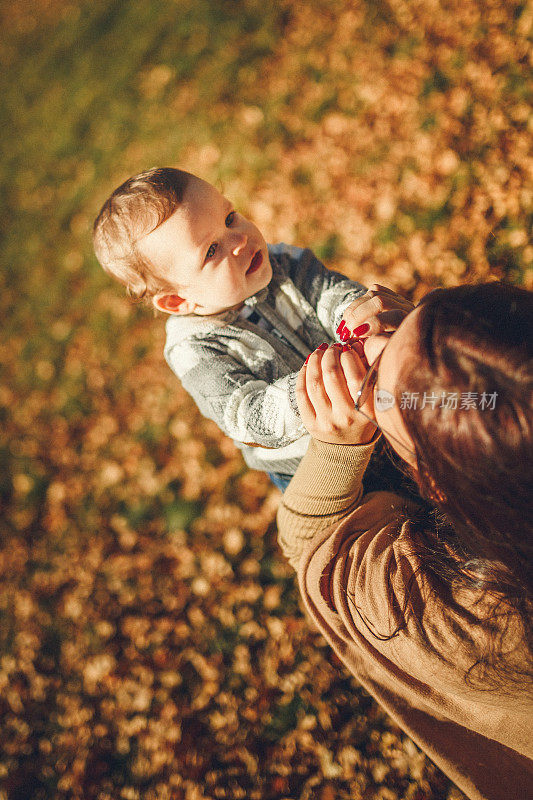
(384, 400)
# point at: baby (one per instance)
(243, 315)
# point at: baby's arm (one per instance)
(328, 292)
(247, 409)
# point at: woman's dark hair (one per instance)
(475, 460)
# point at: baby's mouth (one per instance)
(255, 263)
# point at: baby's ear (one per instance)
(173, 304)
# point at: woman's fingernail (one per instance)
(342, 324)
(346, 347)
(323, 346)
(307, 359)
(345, 334)
(361, 330)
(338, 344)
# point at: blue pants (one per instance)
(281, 481)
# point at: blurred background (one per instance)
(152, 644)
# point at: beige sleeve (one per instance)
(325, 488)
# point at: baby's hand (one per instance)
(379, 310)
(326, 391)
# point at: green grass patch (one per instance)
(438, 81)
(329, 249)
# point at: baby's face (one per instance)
(213, 256)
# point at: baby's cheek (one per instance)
(228, 288)
(238, 279)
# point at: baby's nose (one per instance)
(239, 243)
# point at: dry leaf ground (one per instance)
(152, 641)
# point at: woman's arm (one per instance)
(326, 486)
(328, 482)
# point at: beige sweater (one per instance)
(354, 562)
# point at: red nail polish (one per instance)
(361, 330)
(323, 346)
(345, 334)
(338, 344)
(346, 347)
(342, 324)
(307, 359)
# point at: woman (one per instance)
(428, 603)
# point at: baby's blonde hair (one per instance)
(132, 211)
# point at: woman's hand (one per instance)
(326, 390)
(379, 310)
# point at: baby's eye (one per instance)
(211, 252)
(230, 218)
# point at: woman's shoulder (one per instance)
(372, 574)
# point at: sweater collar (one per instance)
(194, 324)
